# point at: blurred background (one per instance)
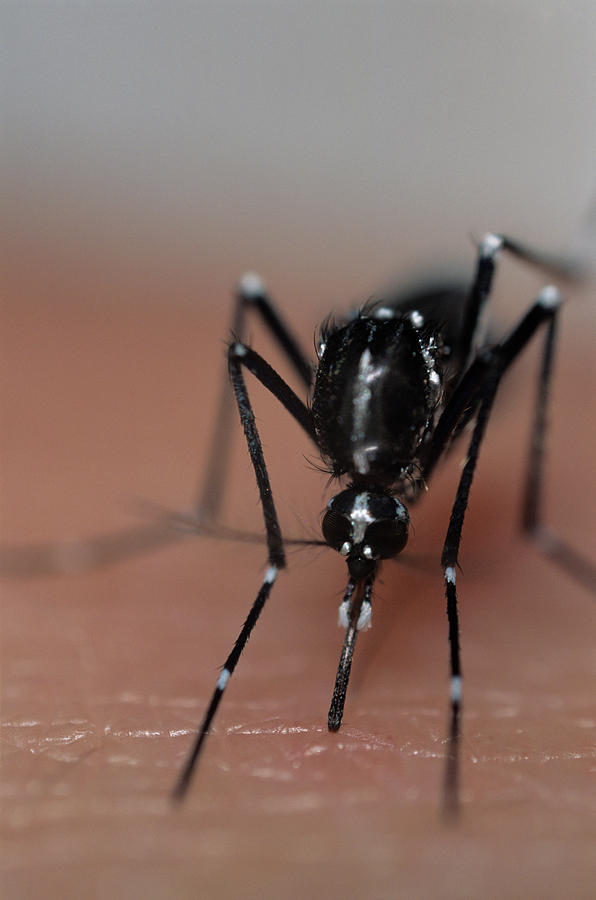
(323, 143)
(152, 153)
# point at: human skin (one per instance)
(106, 673)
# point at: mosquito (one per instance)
(395, 384)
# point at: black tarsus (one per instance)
(228, 668)
(497, 361)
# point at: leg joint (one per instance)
(251, 287)
(490, 245)
(237, 350)
(550, 298)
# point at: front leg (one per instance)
(250, 295)
(239, 356)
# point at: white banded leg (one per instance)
(226, 672)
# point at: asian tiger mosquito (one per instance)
(395, 383)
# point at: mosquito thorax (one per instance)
(365, 526)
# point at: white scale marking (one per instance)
(360, 517)
(367, 374)
(491, 244)
(364, 619)
(456, 686)
(383, 312)
(549, 297)
(251, 286)
(270, 575)
(361, 461)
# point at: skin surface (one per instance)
(106, 673)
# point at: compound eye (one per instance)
(387, 537)
(336, 530)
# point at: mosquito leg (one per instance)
(547, 541)
(238, 356)
(359, 607)
(451, 784)
(449, 563)
(495, 363)
(470, 392)
(479, 293)
(532, 505)
(570, 267)
(64, 558)
(561, 266)
(228, 668)
(251, 294)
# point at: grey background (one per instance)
(330, 144)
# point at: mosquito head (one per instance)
(365, 526)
